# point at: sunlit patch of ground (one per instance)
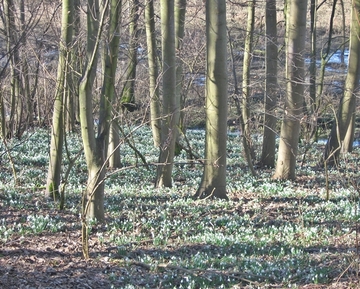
(270, 234)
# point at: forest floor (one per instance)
(54, 260)
(270, 234)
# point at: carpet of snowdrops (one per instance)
(269, 234)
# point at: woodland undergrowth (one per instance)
(269, 233)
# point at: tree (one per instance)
(213, 183)
(108, 122)
(270, 96)
(170, 103)
(312, 67)
(245, 111)
(153, 73)
(180, 12)
(25, 87)
(72, 106)
(94, 147)
(12, 47)
(326, 55)
(290, 128)
(343, 124)
(128, 93)
(63, 76)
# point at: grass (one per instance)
(269, 233)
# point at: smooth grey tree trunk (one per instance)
(128, 93)
(290, 128)
(155, 113)
(213, 183)
(271, 93)
(246, 91)
(170, 103)
(57, 130)
(94, 148)
(180, 12)
(108, 122)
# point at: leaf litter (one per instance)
(269, 235)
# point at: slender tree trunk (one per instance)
(155, 114)
(342, 125)
(170, 113)
(77, 62)
(93, 147)
(290, 128)
(13, 52)
(343, 29)
(180, 12)
(312, 68)
(69, 92)
(245, 111)
(57, 131)
(325, 55)
(310, 128)
(128, 94)
(113, 148)
(107, 126)
(2, 117)
(268, 147)
(26, 91)
(213, 183)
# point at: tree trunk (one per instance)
(245, 111)
(128, 94)
(290, 128)
(113, 149)
(348, 142)
(270, 97)
(342, 124)
(312, 68)
(170, 113)
(26, 91)
(77, 61)
(180, 12)
(12, 47)
(107, 126)
(155, 113)
(213, 183)
(93, 147)
(343, 29)
(326, 55)
(57, 131)
(2, 118)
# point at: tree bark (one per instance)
(93, 147)
(213, 183)
(270, 97)
(245, 110)
(180, 12)
(290, 128)
(12, 47)
(155, 114)
(107, 129)
(128, 93)
(57, 130)
(312, 68)
(170, 113)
